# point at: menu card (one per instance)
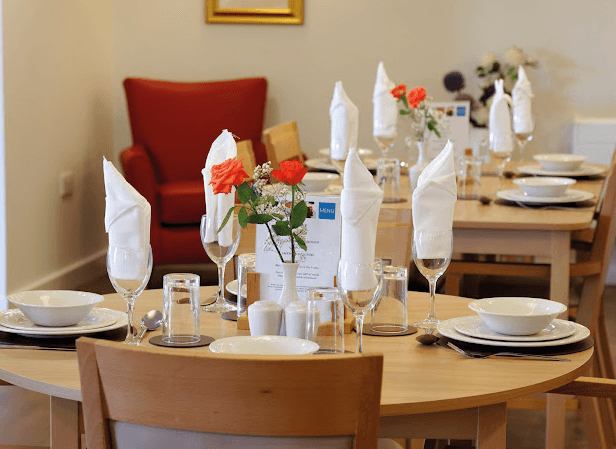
(318, 265)
(454, 126)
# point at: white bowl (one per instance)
(544, 186)
(318, 181)
(362, 152)
(517, 316)
(264, 345)
(55, 307)
(560, 162)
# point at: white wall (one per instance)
(58, 106)
(419, 41)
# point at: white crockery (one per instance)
(560, 162)
(55, 307)
(318, 181)
(363, 152)
(517, 316)
(264, 345)
(265, 318)
(544, 186)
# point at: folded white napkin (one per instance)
(344, 117)
(521, 96)
(500, 120)
(433, 202)
(360, 202)
(217, 206)
(127, 220)
(385, 112)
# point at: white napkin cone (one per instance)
(500, 120)
(127, 220)
(433, 202)
(217, 206)
(385, 112)
(360, 203)
(344, 117)
(522, 111)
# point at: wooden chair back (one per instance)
(282, 144)
(244, 152)
(225, 396)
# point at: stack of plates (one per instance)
(98, 320)
(582, 170)
(472, 329)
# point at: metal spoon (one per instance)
(150, 321)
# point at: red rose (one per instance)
(291, 172)
(226, 175)
(415, 96)
(399, 91)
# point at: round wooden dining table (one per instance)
(428, 391)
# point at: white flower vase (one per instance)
(289, 288)
(422, 162)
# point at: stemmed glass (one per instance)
(522, 139)
(501, 150)
(432, 254)
(129, 271)
(360, 288)
(220, 255)
(385, 143)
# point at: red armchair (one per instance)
(173, 125)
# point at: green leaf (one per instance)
(242, 216)
(245, 193)
(259, 218)
(224, 222)
(300, 242)
(403, 112)
(281, 228)
(278, 216)
(299, 214)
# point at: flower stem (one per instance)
(274, 241)
(291, 224)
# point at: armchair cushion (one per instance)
(181, 202)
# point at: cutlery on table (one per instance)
(150, 322)
(483, 355)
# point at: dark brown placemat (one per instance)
(158, 341)
(64, 341)
(539, 206)
(541, 350)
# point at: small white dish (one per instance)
(560, 162)
(323, 163)
(474, 326)
(318, 181)
(517, 315)
(232, 287)
(447, 329)
(97, 318)
(583, 170)
(43, 331)
(544, 186)
(362, 152)
(571, 196)
(264, 345)
(55, 308)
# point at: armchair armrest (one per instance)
(139, 172)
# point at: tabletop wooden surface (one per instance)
(417, 379)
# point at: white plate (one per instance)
(362, 152)
(571, 196)
(323, 163)
(474, 326)
(121, 320)
(14, 318)
(447, 329)
(232, 287)
(264, 345)
(584, 170)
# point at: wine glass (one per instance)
(522, 139)
(501, 150)
(385, 143)
(220, 254)
(432, 254)
(129, 271)
(360, 287)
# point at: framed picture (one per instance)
(290, 12)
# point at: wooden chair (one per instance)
(282, 144)
(244, 151)
(164, 398)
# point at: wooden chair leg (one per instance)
(452, 284)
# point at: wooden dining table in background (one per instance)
(428, 391)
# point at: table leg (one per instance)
(492, 426)
(64, 423)
(555, 426)
(559, 273)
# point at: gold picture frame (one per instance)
(289, 12)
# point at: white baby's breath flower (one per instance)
(515, 56)
(488, 60)
(481, 115)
